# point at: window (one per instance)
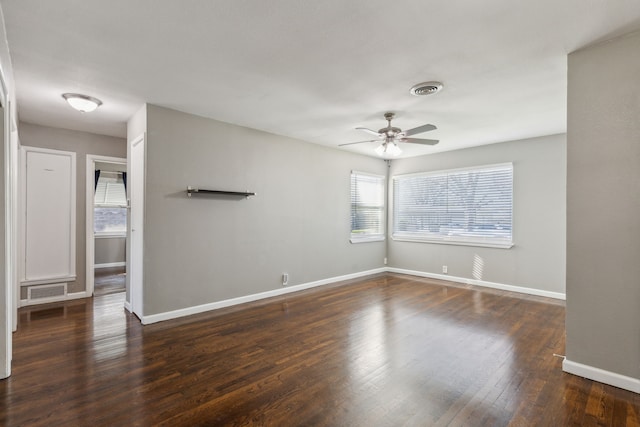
(110, 204)
(464, 206)
(367, 207)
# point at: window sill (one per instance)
(362, 239)
(110, 235)
(497, 245)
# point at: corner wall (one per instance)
(207, 249)
(537, 260)
(603, 211)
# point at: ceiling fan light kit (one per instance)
(389, 149)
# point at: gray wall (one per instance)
(109, 250)
(537, 260)
(603, 207)
(207, 249)
(82, 143)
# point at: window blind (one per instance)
(465, 206)
(110, 190)
(110, 201)
(367, 207)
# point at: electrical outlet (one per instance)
(285, 279)
(385, 261)
(445, 269)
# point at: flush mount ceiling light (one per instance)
(82, 103)
(426, 88)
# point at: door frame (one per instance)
(9, 283)
(90, 238)
(136, 167)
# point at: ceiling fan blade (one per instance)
(419, 129)
(420, 141)
(359, 142)
(373, 132)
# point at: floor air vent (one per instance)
(45, 292)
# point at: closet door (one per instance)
(50, 215)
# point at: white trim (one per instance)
(168, 315)
(10, 261)
(68, 297)
(108, 235)
(445, 241)
(24, 150)
(153, 318)
(374, 175)
(135, 266)
(48, 280)
(15, 229)
(109, 265)
(367, 238)
(89, 211)
(602, 376)
(493, 285)
(127, 306)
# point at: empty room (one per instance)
(296, 213)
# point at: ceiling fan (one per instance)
(390, 136)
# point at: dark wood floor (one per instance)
(109, 280)
(389, 350)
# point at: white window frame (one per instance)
(377, 237)
(450, 240)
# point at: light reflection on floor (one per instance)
(385, 338)
(108, 327)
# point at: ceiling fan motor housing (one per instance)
(391, 135)
(390, 131)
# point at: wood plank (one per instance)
(386, 350)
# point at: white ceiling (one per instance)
(312, 70)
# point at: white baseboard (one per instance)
(67, 297)
(501, 286)
(127, 306)
(174, 314)
(602, 376)
(109, 265)
(153, 318)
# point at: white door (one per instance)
(50, 215)
(137, 225)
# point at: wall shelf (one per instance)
(193, 190)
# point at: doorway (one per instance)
(106, 224)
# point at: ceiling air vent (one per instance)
(426, 88)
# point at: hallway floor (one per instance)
(109, 280)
